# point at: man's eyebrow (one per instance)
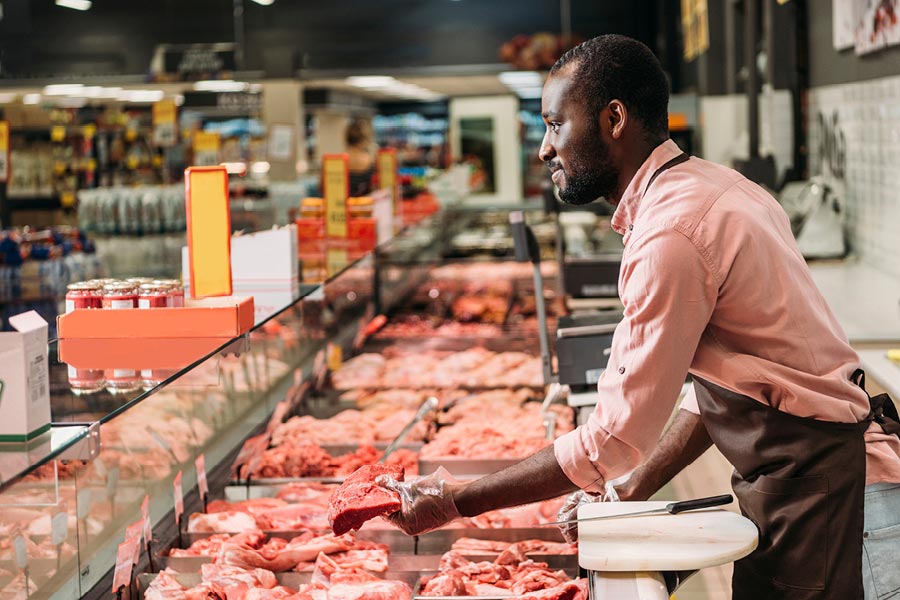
(548, 114)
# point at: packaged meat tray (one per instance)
(511, 575)
(286, 551)
(158, 586)
(442, 540)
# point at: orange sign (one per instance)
(387, 175)
(208, 231)
(335, 189)
(4, 151)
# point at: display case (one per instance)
(142, 436)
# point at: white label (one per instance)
(21, 552)
(70, 306)
(59, 528)
(84, 503)
(145, 515)
(143, 303)
(118, 304)
(202, 484)
(146, 373)
(124, 373)
(73, 372)
(112, 481)
(38, 378)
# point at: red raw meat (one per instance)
(359, 498)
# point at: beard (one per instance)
(590, 175)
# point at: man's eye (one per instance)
(554, 127)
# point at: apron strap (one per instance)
(683, 157)
(883, 410)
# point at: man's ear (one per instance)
(616, 116)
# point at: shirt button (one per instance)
(621, 370)
(631, 227)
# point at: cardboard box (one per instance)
(227, 316)
(24, 379)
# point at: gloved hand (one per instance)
(427, 502)
(570, 507)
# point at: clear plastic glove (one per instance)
(427, 502)
(569, 510)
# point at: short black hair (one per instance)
(617, 67)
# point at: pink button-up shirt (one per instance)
(713, 284)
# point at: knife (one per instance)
(673, 508)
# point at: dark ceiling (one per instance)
(117, 37)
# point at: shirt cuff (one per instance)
(689, 402)
(573, 460)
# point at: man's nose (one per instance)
(546, 151)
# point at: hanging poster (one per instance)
(878, 25)
(844, 19)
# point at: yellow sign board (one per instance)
(165, 116)
(335, 189)
(206, 149)
(208, 231)
(695, 25)
(57, 133)
(4, 151)
(387, 175)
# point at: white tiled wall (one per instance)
(869, 117)
(724, 130)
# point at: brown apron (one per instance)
(801, 482)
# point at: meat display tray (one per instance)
(399, 543)
(571, 571)
(291, 580)
(466, 467)
(440, 541)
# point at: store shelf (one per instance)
(33, 202)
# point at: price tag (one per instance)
(131, 133)
(206, 149)
(165, 117)
(21, 551)
(58, 133)
(4, 151)
(202, 484)
(89, 131)
(59, 528)
(335, 189)
(112, 482)
(335, 356)
(145, 517)
(124, 565)
(83, 501)
(386, 160)
(133, 532)
(67, 199)
(179, 497)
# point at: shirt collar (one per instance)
(627, 209)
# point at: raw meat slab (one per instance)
(359, 498)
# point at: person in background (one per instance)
(360, 160)
(712, 284)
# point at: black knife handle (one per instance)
(677, 507)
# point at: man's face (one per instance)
(573, 147)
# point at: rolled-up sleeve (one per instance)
(669, 292)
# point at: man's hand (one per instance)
(427, 503)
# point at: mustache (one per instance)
(553, 166)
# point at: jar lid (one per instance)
(360, 201)
(84, 286)
(153, 287)
(121, 288)
(312, 203)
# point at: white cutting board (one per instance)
(661, 542)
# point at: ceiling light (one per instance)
(76, 4)
(520, 78)
(31, 99)
(221, 85)
(7, 98)
(372, 82)
(63, 89)
(143, 96)
(235, 168)
(265, 2)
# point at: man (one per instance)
(713, 284)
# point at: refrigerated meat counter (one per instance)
(68, 502)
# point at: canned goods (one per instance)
(83, 295)
(154, 295)
(119, 296)
(176, 291)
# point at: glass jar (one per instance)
(360, 208)
(118, 296)
(312, 208)
(154, 295)
(176, 291)
(83, 295)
